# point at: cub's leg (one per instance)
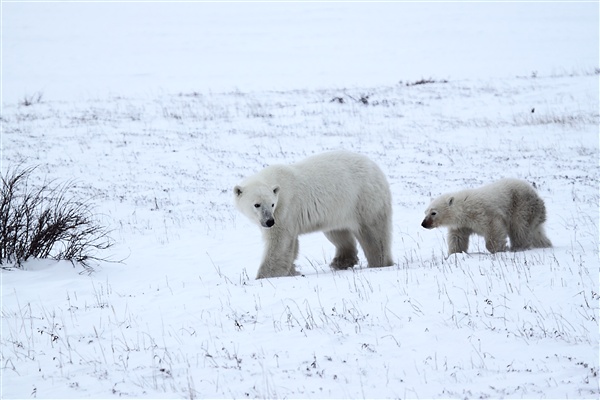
(495, 237)
(458, 240)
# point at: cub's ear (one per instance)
(275, 189)
(451, 201)
(237, 190)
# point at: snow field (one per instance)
(181, 315)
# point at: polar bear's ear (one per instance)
(275, 189)
(450, 201)
(237, 190)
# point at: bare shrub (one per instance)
(44, 221)
(30, 100)
(425, 81)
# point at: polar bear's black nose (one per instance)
(270, 222)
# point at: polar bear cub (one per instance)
(508, 207)
(343, 194)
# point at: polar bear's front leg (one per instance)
(281, 249)
(495, 237)
(458, 240)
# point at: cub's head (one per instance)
(438, 212)
(258, 202)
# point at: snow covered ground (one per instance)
(180, 316)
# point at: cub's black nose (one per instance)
(270, 222)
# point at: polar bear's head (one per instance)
(438, 212)
(258, 202)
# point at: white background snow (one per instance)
(158, 109)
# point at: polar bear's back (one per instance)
(343, 165)
(334, 190)
(507, 192)
(507, 199)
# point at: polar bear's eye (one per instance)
(273, 205)
(433, 213)
(257, 205)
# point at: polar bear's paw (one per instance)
(344, 262)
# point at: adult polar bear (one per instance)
(343, 194)
(508, 207)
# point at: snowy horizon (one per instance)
(69, 51)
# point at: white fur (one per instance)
(508, 207)
(343, 194)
